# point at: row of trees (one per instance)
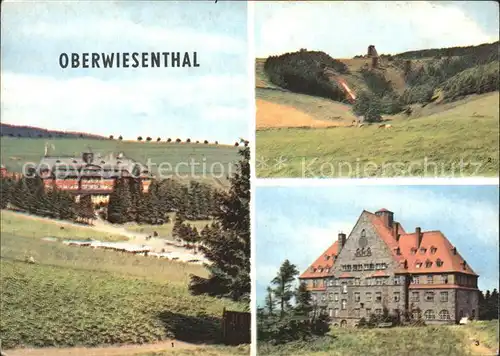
(303, 72)
(488, 305)
(30, 195)
(289, 313)
(127, 202)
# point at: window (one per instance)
(357, 281)
(327, 270)
(397, 280)
(356, 313)
(331, 282)
(415, 296)
(337, 282)
(416, 314)
(363, 233)
(439, 263)
(367, 266)
(344, 304)
(323, 297)
(428, 264)
(344, 288)
(313, 297)
(444, 279)
(429, 296)
(444, 296)
(429, 315)
(378, 311)
(372, 266)
(433, 250)
(368, 312)
(423, 250)
(430, 279)
(396, 296)
(378, 281)
(413, 251)
(414, 280)
(336, 312)
(368, 296)
(384, 266)
(398, 251)
(330, 312)
(473, 314)
(327, 257)
(444, 315)
(378, 297)
(315, 283)
(336, 297)
(356, 297)
(320, 270)
(330, 296)
(418, 264)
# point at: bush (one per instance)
(418, 94)
(139, 138)
(369, 106)
(376, 82)
(111, 137)
(236, 144)
(169, 139)
(178, 140)
(205, 142)
(188, 140)
(148, 139)
(158, 139)
(120, 138)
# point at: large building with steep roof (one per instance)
(380, 265)
(91, 174)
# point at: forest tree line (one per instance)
(127, 202)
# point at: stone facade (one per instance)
(367, 277)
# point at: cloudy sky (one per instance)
(299, 223)
(210, 102)
(345, 29)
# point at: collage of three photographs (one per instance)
(249, 178)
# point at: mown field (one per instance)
(460, 141)
(401, 341)
(208, 162)
(204, 351)
(80, 296)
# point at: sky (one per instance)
(209, 102)
(346, 29)
(300, 223)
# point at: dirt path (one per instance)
(124, 350)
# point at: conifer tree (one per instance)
(226, 244)
(119, 206)
(283, 285)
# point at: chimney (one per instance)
(395, 231)
(454, 250)
(342, 238)
(419, 234)
(387, 217)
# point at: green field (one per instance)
(204, 351)
(80, 296)
(460, 141)
(400, 341)
(177, 159)
(19, 224)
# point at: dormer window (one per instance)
(313, 269)
(398, 251)
(413, 250)
(418, 264)
(327, 270)
(327, 257)
(439, 263)
(423, 250)
(433, 250)
(363, 233)
(428, 263)
(320, 270)
(464, 265)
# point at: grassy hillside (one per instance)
(17, 224)
(176, 158)
(77, 296)
(466, 131)
(429, 341)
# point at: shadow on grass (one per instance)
(202, 329)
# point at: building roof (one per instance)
(323, 262)
(109, 167)
(435, 254)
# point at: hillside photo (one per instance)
(341, 100)
(125, 191)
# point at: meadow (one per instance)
(456, 340)
(459, 141)
(164, 231)
(185, 161)
(73, 296)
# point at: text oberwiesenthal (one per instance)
(129, 60)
